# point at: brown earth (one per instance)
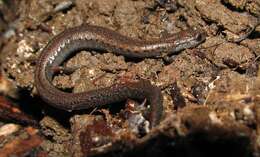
(211, 92)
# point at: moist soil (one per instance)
(211, 92)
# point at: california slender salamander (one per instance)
(86, 37)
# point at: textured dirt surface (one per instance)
(211, 92)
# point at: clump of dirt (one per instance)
(210, 92)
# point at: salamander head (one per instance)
(188, 39)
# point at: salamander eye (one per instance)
(199, 37)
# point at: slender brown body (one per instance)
(88, 37)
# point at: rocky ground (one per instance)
(211, 92)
